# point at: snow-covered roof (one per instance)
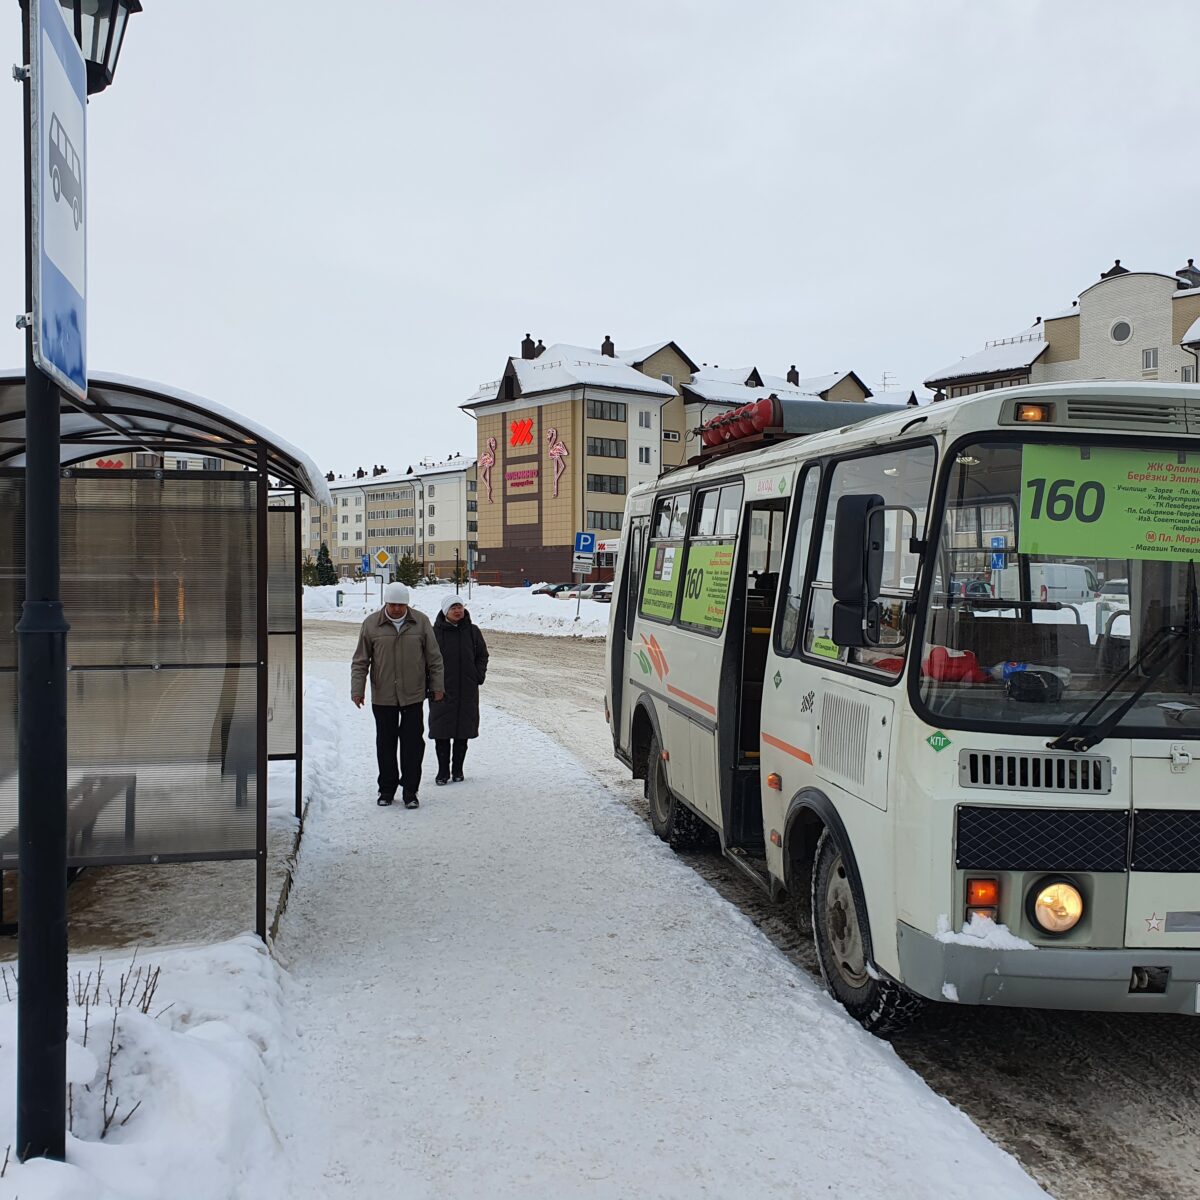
(726, 385)
(1071, 310)
(453, 467)
(562, 366)
(137, 412)
(1012, 354)
(639, 354)
(1193, 334)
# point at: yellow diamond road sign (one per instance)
(382, 558)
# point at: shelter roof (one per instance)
(125, 414)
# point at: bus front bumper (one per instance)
(1048, 977)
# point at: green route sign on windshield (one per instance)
(1113, 503)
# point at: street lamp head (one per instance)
(99, 27)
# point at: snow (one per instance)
(514, 983)
(1011, 355)
(950, 992)
(982, 933)
(505, 610)
(1193, 334)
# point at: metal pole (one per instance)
(263, 696)
(457, 568)
(42, 753)
(299, 619)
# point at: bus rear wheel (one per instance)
(674, 822)
(842, 938)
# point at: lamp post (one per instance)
(99, 28)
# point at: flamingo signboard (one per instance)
(58, 142)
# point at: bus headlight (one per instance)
(1055, 905)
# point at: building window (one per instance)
(181, 464)
(431, 510)
(429, 489)
(429, 530)
(472, 526)
(1187, 375)
(432, 552)
(606, 447)
(603, 520)
(472, 485)
(1150, 360)
(147, 462)
(645, 419)
(211, 464)
(605, 410)
(358, 518)
(472, 506)
(614, 484)
(1121, 332)
(345, 502)
(670, 435)
(668, 379)
(345, 519)
(643, 454)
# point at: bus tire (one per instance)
(55, 183)
(674, 822)
(842, 937)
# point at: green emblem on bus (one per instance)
(643, 662)
(782, 484)
(939, 741)
(778, 679)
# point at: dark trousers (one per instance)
(404, 724)
(444, 754)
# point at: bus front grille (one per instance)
(1022, 771)
(1041, 839)
(1166, 840)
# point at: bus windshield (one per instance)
(1064, 589)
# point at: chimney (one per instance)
(539, 349)
(527, 350)
(1115, 269)
(1190, 274)
(793, 376)
(607, 348)
(329, 476)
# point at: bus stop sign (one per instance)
(58, 140)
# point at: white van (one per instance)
(1068, 583)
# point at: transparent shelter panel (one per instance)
(281, 693)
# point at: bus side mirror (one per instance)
(858, 536)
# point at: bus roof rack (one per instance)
(772, 420)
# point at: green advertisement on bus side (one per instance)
(661, 585)
(706, 585)
(1109, 503)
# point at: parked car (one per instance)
(550, 589)
(603, 593)
(1115, 587)
(583, 590)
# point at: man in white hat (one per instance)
(397, 648)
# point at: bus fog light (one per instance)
(1055, 905)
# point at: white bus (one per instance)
(984, 800)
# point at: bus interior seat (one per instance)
(1005, 639)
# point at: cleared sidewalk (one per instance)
(517, 991)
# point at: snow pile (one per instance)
(506, 610)
(982, 933)
(177, 1107)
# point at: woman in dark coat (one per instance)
(455, 718)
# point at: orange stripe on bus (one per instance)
(708, 708)
(787, 748)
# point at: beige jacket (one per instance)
(403, 664)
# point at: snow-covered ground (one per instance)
(513, 991)
(508, 610)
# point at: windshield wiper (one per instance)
(1153, 657)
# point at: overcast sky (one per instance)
(341, 218)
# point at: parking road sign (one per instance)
(581, 564)
(585, 543)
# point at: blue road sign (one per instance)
(585, 543)
(58, 82)
(366, 564)
(998, 559)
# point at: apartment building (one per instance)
(428, 512)
(561, 437)
(1126, 325)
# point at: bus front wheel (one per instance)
(842, 937)
(55, 183)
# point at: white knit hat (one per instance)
(449, 603)
(395, 593)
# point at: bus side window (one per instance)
(792, 600)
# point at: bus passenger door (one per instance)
(626, 591)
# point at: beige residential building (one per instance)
(561, 437)
(1127, 325)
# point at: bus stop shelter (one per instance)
(182, 589)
